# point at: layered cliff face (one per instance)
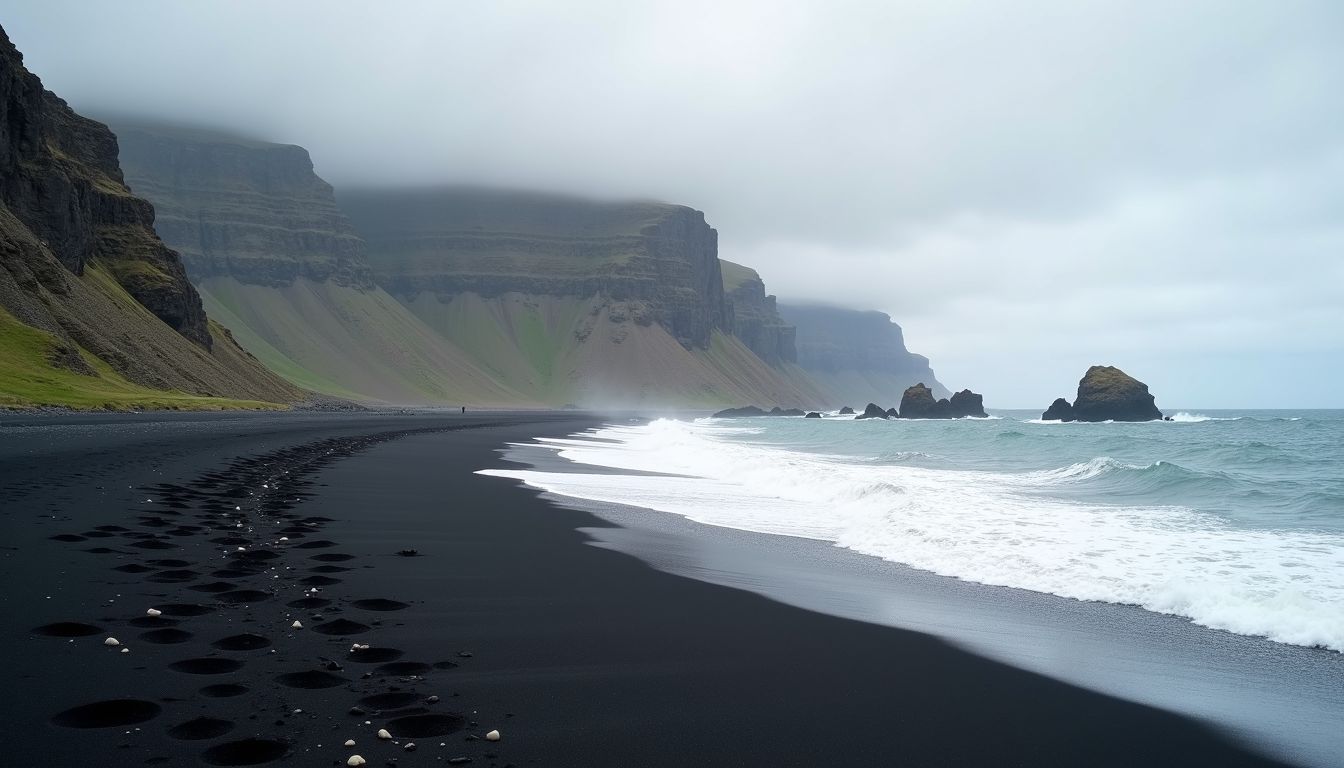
(94, 309)
(281, 265)
(570, 299)
(249, 210)
(856, 356)
(657, 263)
(59, 176)
(754, 318)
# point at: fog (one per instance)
(1028, 188)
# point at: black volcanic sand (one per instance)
(578, 655)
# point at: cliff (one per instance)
(754, 318)
(97, 311)
(574, 300)
(856, 356)
(657, 263)
(249, 210)
(282, 266)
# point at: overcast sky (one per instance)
(1027, 187)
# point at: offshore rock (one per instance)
(1060, 410)
(748, 411)
(873, 411)
(918, 403)
(967, 403)
(1107, 393)
(812, 415)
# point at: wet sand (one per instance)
(482, 606)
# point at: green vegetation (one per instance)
(28, 378)
(735, 275)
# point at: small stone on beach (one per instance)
(383, 734)
(349, 742)
(492, 736)
(153, 612)
(296, 625)
(355, 760)
(111, 641)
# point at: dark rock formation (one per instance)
(1107, 393)
(751, 411)
(918, 403)
(873, 411)
(812, 415)
(658, 263)
(245, 209)
(967, 403)
(80, 264)
(892, 413)
(753, 316)
(1060, 410)
(746, 411)
(60, 179)
(855, 355)
(846, 411)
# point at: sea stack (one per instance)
(873, 411)
(1106, 393)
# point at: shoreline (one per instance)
(578, 654)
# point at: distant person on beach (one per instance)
(464, 409)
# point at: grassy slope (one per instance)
(566, 350)
(350, 343)
(735, 274)
(27, 378)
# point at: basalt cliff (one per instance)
(279, 263)
(95, 311)
(856, 356)
(571, 299)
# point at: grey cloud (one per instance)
(1051, 183)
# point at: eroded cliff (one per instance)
(754, 318)
(855, 355)
(96, 310)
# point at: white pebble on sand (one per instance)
(492, 736)
(383, 734)
(355, 760)
(153, 612)
(349, 742)
(111, 641)
(296, 625)
(125, 650)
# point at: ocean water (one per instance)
(1233, 520)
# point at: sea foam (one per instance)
(996, 528)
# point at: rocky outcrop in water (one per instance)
(873, 411)
(813, 415)
(967, 404)
(59, 177)
(1107, 393)
(918, 403)
(245, 209)
(1060, 410)
(754, 317)
(655, 262)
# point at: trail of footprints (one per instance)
(233, 541)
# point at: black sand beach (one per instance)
(577, 655)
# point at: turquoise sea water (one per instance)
(1232, 519)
